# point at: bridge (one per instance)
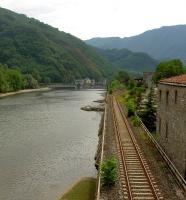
(62, 86)
(74, 86)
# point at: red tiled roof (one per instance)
(181, 79)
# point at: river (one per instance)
(46, 143)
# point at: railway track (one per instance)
(136, 178)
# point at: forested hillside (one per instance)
(168, 42)
(45, 52)
(129, 61)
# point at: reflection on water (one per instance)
(46, 143)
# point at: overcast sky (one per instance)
(102, 18)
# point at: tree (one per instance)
(35, 74)
(148, 115)
(139, 91)
(167, 69)
(123, 77)
(10, 79)
(3, 81)
(47, 80)
(30, 82)
(15, 80)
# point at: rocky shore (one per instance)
(97, 108)
(93, 108)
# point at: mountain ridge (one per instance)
(31, 45)
(167, 42)
(134, 62)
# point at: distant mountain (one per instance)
(167, 42)
(37, 48)
(128, 60)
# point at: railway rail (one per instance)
(136, 178)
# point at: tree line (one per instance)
(13, 80)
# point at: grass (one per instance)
(83, 190)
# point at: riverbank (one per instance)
(84, 189)
(2, 95)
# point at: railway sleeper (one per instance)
(145, 194)
(139, 182)
(144, 198)
(141, 190)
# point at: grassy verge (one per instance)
(83, 190)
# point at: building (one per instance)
(147, 78)
(93, 82)
(87, 81)
(138, 80)
(171, 120)
(79, 83)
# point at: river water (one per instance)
(46, 143)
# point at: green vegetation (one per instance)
(130, 104)
(46, 53)
(135, 121)
(132, 91)
(117, 83)
(167, 69)
(13, 80)
(109, 171)
(148, 115)
(133, 62)
(122, 77)
(30, 82)
(131, 98)
(83, 190)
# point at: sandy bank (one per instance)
(24, 91)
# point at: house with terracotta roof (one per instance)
(171, 119)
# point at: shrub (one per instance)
(110, 91)
(131, 84)
(109, 171)
(115, 85)
(135, 121)
(131, 107)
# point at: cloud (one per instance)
(91, 18)
(33, 7)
